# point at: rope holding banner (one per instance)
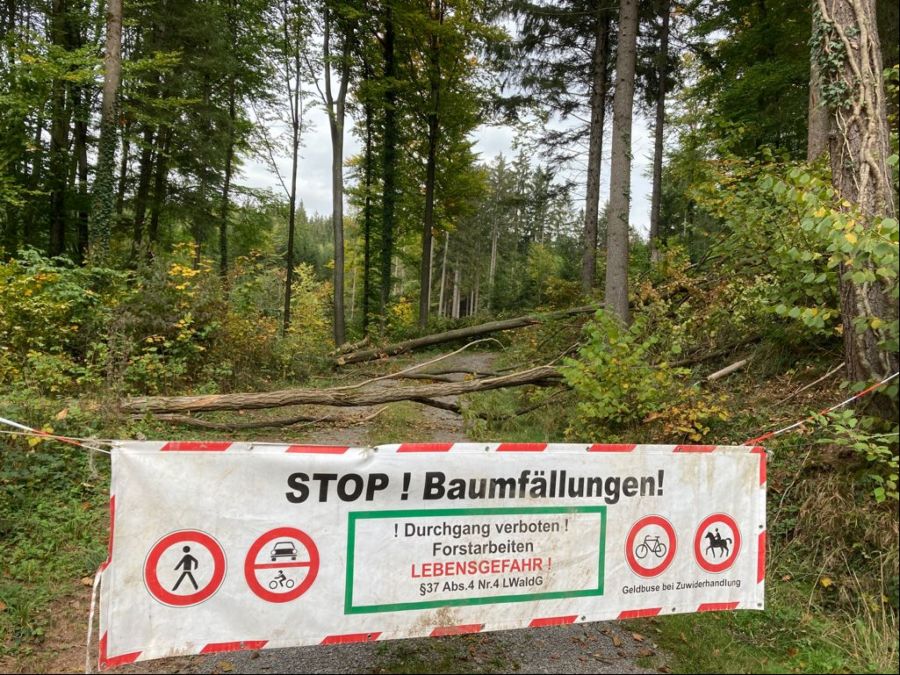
(90, 631)
(864, 392)
(29, 431)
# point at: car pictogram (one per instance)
(283, 549)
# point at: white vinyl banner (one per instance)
(227, 546)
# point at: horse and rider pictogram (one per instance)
(717, 542)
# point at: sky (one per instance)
(314, 177)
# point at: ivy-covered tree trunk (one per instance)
(595, 150)
(620, 171)
(847, 50)
(104, 198)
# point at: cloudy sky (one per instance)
(314, 178)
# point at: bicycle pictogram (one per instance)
(650, 545)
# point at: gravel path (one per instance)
(580, 648)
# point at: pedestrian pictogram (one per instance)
(717, 542)
(282, 564)
(184, 568)
(650, 546)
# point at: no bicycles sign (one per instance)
(225, 546)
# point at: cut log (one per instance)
(727, 370)
(458, 334)
(338, 396)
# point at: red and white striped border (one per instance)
(418, 448)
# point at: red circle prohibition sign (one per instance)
(251, 566)
(727, 562)
(151, 578)
(632, 535)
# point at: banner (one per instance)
(227, 546)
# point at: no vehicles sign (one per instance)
(225, 546)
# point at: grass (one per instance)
(791, 635)
(52, 519)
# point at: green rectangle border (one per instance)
(354, 516)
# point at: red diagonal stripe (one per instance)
(425, 447)
(694, 448)
(106, 661)
(552, 621)
(761, 451)
(761, 558)
(441, 631)
(522, 447)
(207, 446)
(639, 613)
(319, 449)
(717, 606)
(112, 531)
(214, 647)
(612, 447)
(350, 637)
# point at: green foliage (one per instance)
(52, 319)
(788, 219)
(876, 449)
(169, 326)
(621, 378)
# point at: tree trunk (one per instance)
(160, 186)
(123, 172)
(436, 11)
(661, 74)
(595, 152)
(336, 108)
(338, 396)
(103, 205)
(294, 93)
(226, 187)
(367, 207)
(59, 137)
(818, 117)
(81, 107)
(492, 270)
(859, 149)
(389, 168)
(620, 172)
(143, 191)
(443, 274)
(455, 314)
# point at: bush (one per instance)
(622, 378)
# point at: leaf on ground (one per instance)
(638, 637)
(617, 641)
(87, 581)
(226, 666)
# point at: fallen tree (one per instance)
(338, 396)
(457, 334)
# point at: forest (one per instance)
(643, 221)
